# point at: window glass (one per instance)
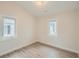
(52, 27)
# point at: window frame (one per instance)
(14, 26)
(53, 33)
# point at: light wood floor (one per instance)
(38, 50)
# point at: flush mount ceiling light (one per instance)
(40, 3)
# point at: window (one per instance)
(9, 27)
(52, 27)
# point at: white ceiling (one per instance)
(51, 7)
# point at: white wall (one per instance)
(67, 37)
(77, 34)
(25, 27)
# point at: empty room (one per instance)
(39, 29)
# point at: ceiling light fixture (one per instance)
(40, 3)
